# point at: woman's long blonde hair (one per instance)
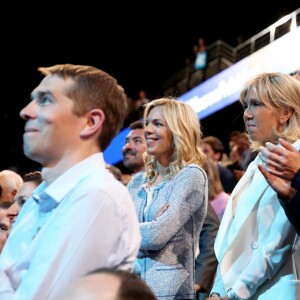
(185, 127)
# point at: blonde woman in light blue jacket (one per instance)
(170, 198)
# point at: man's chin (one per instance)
(31, 155)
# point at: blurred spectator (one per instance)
(216, 195)
(136, 108)
(10, 182)
(201, 55)
(134, 147)
(214, 149)
(115, 171)
(241, 155)
(232, 137)
(31, 181)
(142, 99)
(4, 228)
(139, 103)
(8, 213)
(226, 160)
(109, 284)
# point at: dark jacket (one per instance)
(292, 208)
(206, 261)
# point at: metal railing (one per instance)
(268, 35)
(221, 55)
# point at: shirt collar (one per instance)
(48, 197)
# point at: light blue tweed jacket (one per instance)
(169, 244)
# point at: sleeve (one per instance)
(6, 289)
(206, 261)
(272, 251)
(292, 211)
(188, 194)
(82, 236)
(135, 182)
(296, 181)
(218, 286)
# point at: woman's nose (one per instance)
(148, 128)
(248, 113)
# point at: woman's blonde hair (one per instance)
(185, 127)
(281, 93)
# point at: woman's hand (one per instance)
(161, 211)
(283, 162)
(280, 186)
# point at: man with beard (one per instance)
(135, 146)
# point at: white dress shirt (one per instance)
(84, 220)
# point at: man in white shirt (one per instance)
(80, 217)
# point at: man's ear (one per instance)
(14, 192)
(94, 122)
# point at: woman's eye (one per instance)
(256, 103)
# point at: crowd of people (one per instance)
(190, 221)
